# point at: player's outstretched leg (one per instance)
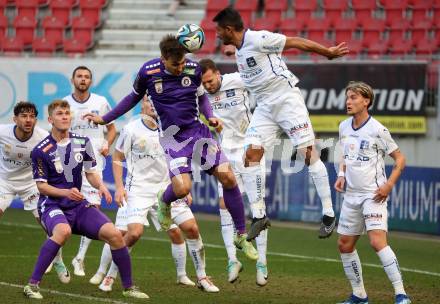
(262, 273)
(106, 259)
(164, 209)
(78, 260)
(227, 227)
(178, 251)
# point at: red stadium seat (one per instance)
(421, 9)
(267, 24)
(292, 25)
(304, 8)
(83, 30)
(363, 8)
(401, 47)
(292, 53)
(53, 29)
(3, 4)
(3, 25)
(345, 28)
(209, 29)
(61, 10)
(377, 47)
(335, 8)
(246, 8)
(394, 9)
(74, 47)
(91, 9)
(209, 47)
(27, 8)
(355, 47)
(372, 28)
(25, 28)
(419, 30)
(215, 6)
(426, 46)
(398, 28)
(13, 46)
(43, 47)
(274, 9)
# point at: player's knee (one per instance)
(175, 236)
(134, 236)
(227, 179)
(345, 246)
(253, 156)
(192, 232)
(377, 244)
(61, 234)
(182, 190)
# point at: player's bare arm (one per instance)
(117, 166)
(399, 164)
(73, 194)
(340, 181)
(96, 182)
(312, 46)
(111, 135)
(93, 117)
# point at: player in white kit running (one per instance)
(82, 101)
(364, 143)
(17, 141)
(231, 103)
(280, 105)
(147, 173)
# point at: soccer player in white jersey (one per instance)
(364, 143)
(230, 102)
(147, 173)
(280, 105)
(81, 101)
(16, 143)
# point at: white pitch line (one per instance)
(73, 295)
(289, 255)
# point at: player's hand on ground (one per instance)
(93, 117)
(338, 51)
(189, 199)
(104, 149)
(382, 193)
(229, 50)
(120, 197)
(339, 184)
(216, 123)
(103, 191)
(74, 194)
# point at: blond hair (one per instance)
(361, 88)
(57, 103)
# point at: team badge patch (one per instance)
(186, 81)
(78, 157)
(230, 93)
(251, 62)
(158, 87)
(58, 165)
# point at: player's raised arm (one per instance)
(206, 110)
(312, 46)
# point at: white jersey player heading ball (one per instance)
(365, 142)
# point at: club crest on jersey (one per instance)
(230, 93)
(7, 149)
(364, 144)
(186, 81)
(58, 165)
(158, 87)
(251, 62)
(78, 157)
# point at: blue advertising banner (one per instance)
(414, 203)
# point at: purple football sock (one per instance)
(121, 258)
(47, 253)
(234, 204)
(168, 195)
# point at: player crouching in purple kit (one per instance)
(57, 163)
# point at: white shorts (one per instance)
(287, 114)
(360, 213)
(133, 213)
(90, 193)
(235, 157)
(27, 191)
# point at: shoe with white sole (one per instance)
(184, 280)
(32, 291)
(234, 268)
(205, 284)
(78, 267)
(134, 292)
(107, 284)
(261, 274)
(62, 272)
(97, 278)
(49, 269)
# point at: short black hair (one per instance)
(82, 67)
(207, 64)
(25, 107)
(229, 17)
(171, 48)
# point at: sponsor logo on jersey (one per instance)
(79, 141)
(45, 149)
(251, 62)
(186, 81)
(230, 93)
(178, 162)
(299, 127)
(58, 165)
(189, 71)
(55, 212)
(373, 216)
(7, 149)
(155, 71)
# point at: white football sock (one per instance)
(106, 258)
(319, 175)
(391, 267)
(261, 241)
(179, 255)
(197, 253)
(59, 257)
(353, 271)
(254, 182)
(228, 231)
(83, 246)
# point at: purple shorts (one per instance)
(192, 149)
(84, 219)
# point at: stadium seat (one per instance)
(267, 24)
(419, 30)
(420, 9)
(372, 28)
(398, 28)
(246, 8)
(317, 28)
(43, 47)
(292, 53)
(3, 4)
(433, 74)
(27, 8)
(43, 2)
(304, 8)
(335, 8)
(53, 29)
(74, 47)
(25, 28)
(3, 25)
(401, 47)
(293, 26)
(214, 6)
(426, 46)
(377, 48)
(363, 8)
(344, 28)
(209, 29)
(83, 30)
(91, 9)
(355, 46)
(61, 9)
(394, 9)
(13, 46)
(274, 9)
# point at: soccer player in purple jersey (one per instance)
(57, 163)
(173, 84)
